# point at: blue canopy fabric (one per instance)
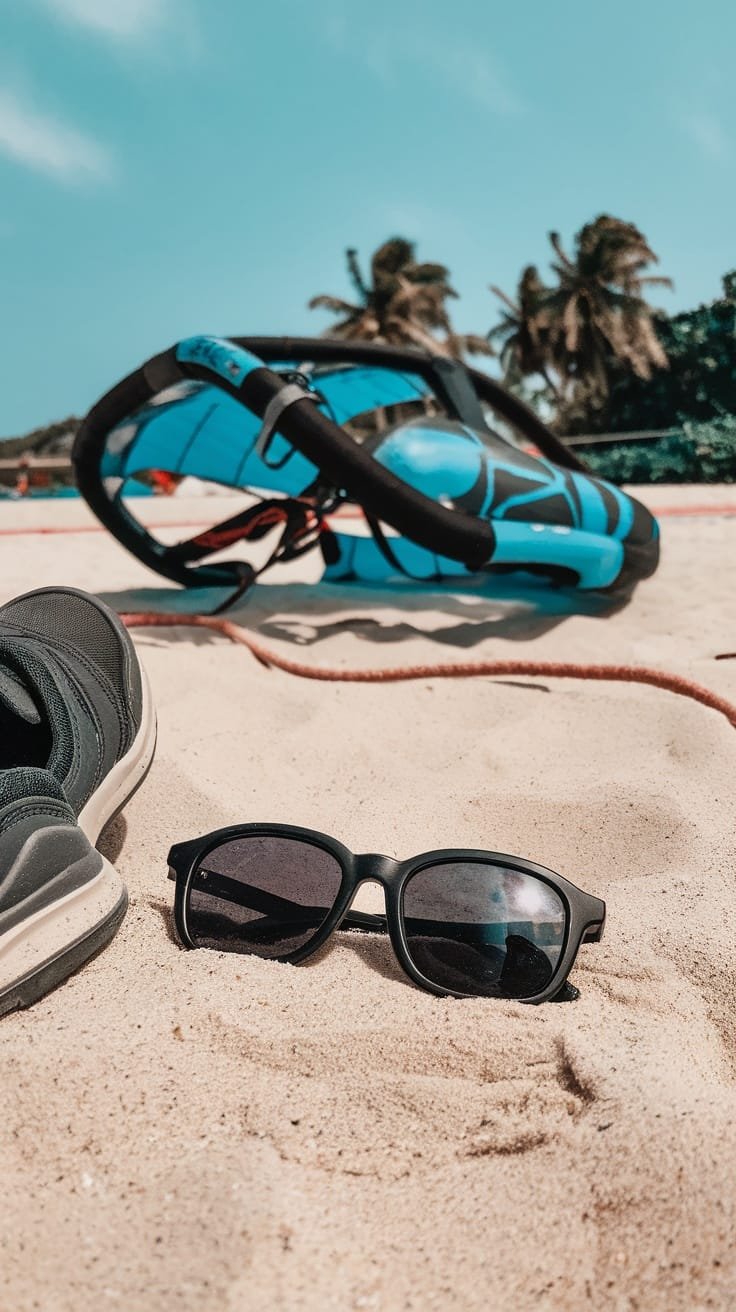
(195, 429)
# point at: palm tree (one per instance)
(525, 331)
(598, 317)
(403, 304)
(594, 323)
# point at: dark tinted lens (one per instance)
(479, 928)
(263, 894)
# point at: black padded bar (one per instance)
(349, 468)
(122, 400)
(326, 350)
(450, 533)
(446, 532)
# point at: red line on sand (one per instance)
(71, 529)
(346, 513)
(693, 510)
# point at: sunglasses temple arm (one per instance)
(365, 922)
(282, 908)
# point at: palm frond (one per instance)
(334, 303)
(469, 344)
(391, 258)
(430, 273)
(556, 243)
(408, 332)
(570, 325)
(503, 297)
(651, 280)
(356, 276)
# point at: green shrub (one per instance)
(696, 453)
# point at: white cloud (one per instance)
(47, 145)
(708, 134)
(120, 19)
(469, 71)
(454, 63)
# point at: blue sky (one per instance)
(179, 166)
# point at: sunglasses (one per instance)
(462, 923)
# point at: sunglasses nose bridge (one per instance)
(373, 865)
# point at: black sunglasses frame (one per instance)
(584, 914)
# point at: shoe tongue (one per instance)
(16, 698)
(27, 781)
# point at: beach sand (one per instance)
(193, 1130)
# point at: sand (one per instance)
(191, 1130)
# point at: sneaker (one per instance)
(77, 736)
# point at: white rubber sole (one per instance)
(47, 947)
(125, 777)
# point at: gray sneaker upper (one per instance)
(70, 692)
(43, 852)
(77, 736)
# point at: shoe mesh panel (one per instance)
(71, 621)
(24, 782)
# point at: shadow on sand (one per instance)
(305, 614)
(374, 949)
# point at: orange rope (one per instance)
(675, 683)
